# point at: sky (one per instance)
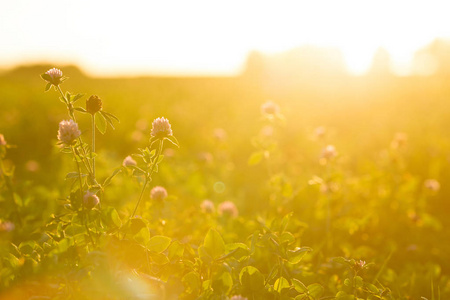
(198, 37)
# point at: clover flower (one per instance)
(54, 76)
(270, 108)
(93, 104)
(6, 226)
(329, 152)
(90, 200)
(207, 207)
(158, 193)
(161, 128)
(228, 209)
(432, 185)
(2, 140)
(129, 161)
(238, 297)
(68, 132)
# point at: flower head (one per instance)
(238, 297)
(129, 161)
(207, 207)
(90, 200)
(158, 193)
(53, 76)
(68, 132)
(228, 209)
(2, 140)
(161, 128)
(432, 185)
(270, 108)
(329, 152)
(6, 226)
(93, 104)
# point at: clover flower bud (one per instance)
(55, 76)
(93, 104)
(207, 207)
(270, 108)
(161, 128)
(90, 200)
(228, 209)
(158, 193)
(68, 132)
(432, 185)
(2, 140)
(129, 161)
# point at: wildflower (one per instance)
(269, 108)
(220, 134)
(360, 264)
(238, 297)
(129, 161)
(68, 132)
(90, 200)
(319, 132)
(93, 104)
(161, 128)
(399, 140)
(207, 206)
(158, 193)
(329, 152)
(2, 140)
(228, 209)
(53, 76)
(432, 185)
(6, 226)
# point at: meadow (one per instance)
(325, 187)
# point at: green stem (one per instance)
(8, 181)
(93, 146)
(81, 195)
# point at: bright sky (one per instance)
(210, 37)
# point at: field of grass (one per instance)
(337, 189)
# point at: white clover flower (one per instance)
(432, 185)
(90, 200)
(161, 128)
(129, 161)
(207, 207)
(2, 140)
(228, 209)
(158, 193)
(55, 76)
(270, 108)
(68, 132)
(329, 152)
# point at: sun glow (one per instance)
(206, 37)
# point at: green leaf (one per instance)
(214, 244)
(315, 290)
(251, 279)
(256, 158)
(159, 258)
(108, 180)
(77, 97)
(192, 282)
(80, 109)
(46, 77)
(222, 283)
(281, 284)
(111, 116)
(48, 86)
(176, 250)
(143, 236)
(287, 238)
(74, 175)
(295, 256)
(299, 286)
(108, 120)
(173, 140)
(100, 123)
(158, 243)
(111, 217)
